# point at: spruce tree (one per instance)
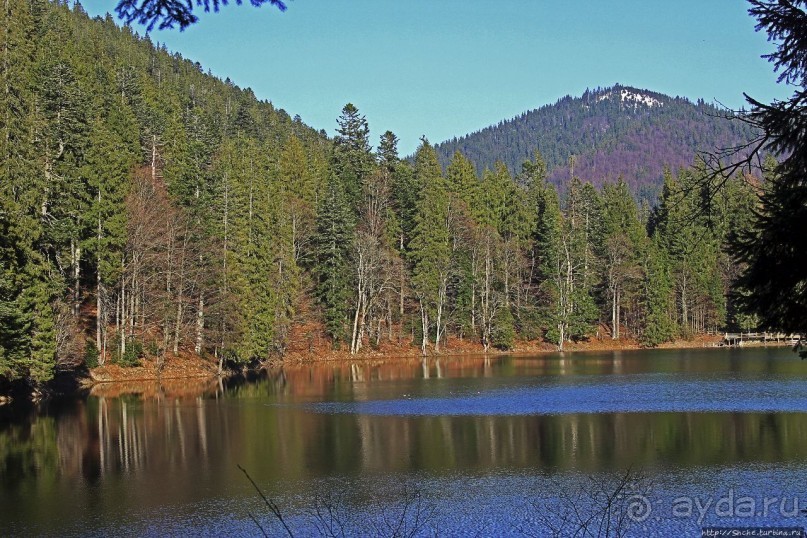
(620, 249)
(352, 157)
(107, 168)
(464, 186)
(430, 247)
(775, 249)
(581, 233)
(388, 151)
(657, 326)
(28, 278)
(299, 188)
(552, 268)
(332, 245)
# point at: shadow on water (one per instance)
(168, 452)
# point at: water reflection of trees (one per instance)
(105, 437)
(168, 447)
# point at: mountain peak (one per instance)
(630, 96)
(617, 132)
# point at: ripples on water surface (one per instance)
(487, 446)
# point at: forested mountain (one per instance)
(610, 133)
(139, 198)
(150, 209)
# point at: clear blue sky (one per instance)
(444, 68)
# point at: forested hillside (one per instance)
(150, 209)
(140, 201)
(609, 133)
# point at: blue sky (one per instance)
(443, 68)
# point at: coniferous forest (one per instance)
(149, 208)
(605, 134)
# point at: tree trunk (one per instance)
(684, 311)
(132, 296)
(473, 292)
(153, 159)
(424, 321)
(614, 317)
(75, 254)
(389, 318)
(99, 345)
(200, 324)
(178, 323)
(224, 260)
(441, 294)
(180, 294)
(121, 324)
(354, 337)
(401, 283)
(169, 272)
(99, 292)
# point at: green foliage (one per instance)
(133, 354)
(352, 160)
(38, 297)
(91, 355)
(94, 117)
(165, 14)
(462, 180)
(775, 249)
(548, 245)
(168, 206)
(332, 253)
(388, 151)
(658, 326)
(108, 163)
(637, 144)
(504, 332)
(28, 278)
(620, 248)
(430, 247)
(683, 226)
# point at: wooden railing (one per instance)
(736, 339)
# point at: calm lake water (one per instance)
(460, 446)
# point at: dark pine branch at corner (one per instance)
(164, 14)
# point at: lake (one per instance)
(676, 440)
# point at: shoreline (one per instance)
(187, 371)
(190, 366)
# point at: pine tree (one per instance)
(680, 225)
(553, 268)
(28, 281)
(464, 186)
(263, 274)
(775, 250)
(299, 195)
(620, 249)
(657, 303)
(581, 232)
(399, 218)
(388, 151)
(332, 254)
(108, 165)
(352, 158)
(503, 215)
(62, 136)
(430, 247)
(532, 179)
